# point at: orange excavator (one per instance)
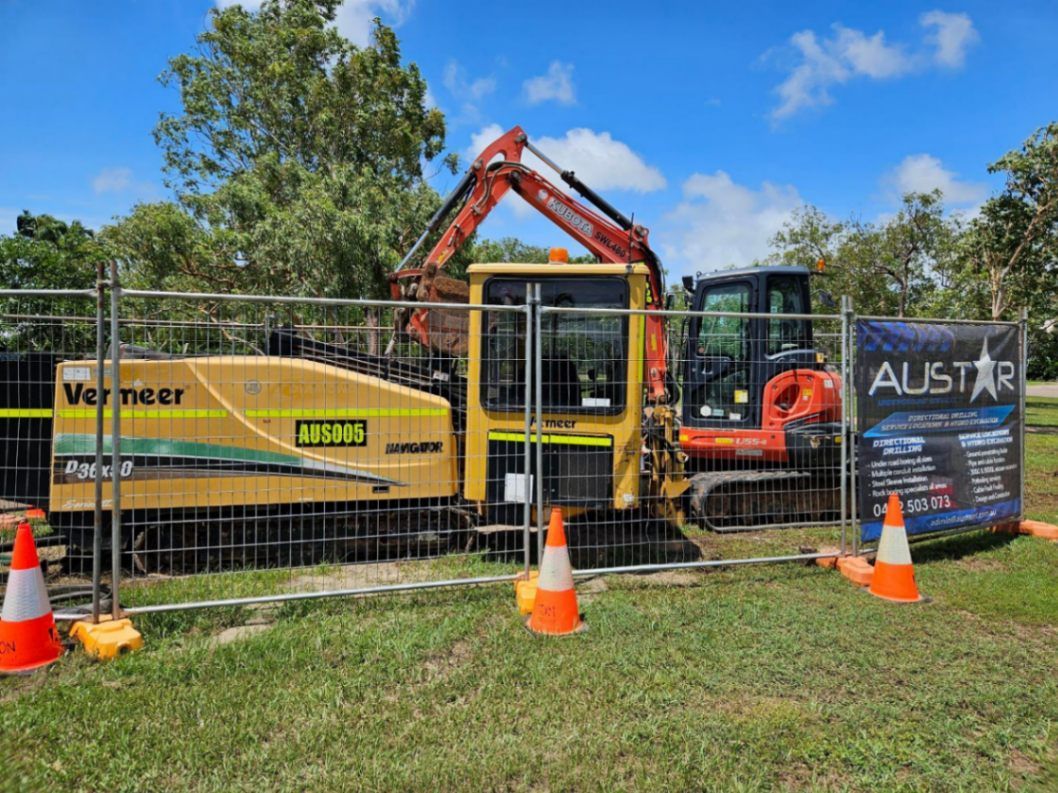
(760, 408)
(604, 231)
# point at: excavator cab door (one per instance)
(729, 360)
(719, 365)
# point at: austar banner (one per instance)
(939, 420)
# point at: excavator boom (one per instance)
(604, 231)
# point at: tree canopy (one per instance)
(297, 160)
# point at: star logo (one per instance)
(986, 374)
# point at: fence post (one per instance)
(539, 365)
(853, 424)
(1023, 324)
(846, 436)
(97, 527)
(115, 444)
(527, 451)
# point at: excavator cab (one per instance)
(755, 387)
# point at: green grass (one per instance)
(782, 677)
(1041, 411)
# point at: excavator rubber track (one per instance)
(733, 501)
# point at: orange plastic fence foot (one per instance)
(857, 569)
(1037, 528)
(1010, 527)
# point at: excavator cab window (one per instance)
(724, 354)
(786, 296)
(584, 356)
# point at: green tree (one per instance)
(1013, 243)
(297, 156)
(48, 253)
(887, 268)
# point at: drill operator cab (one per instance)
(755, 388)
(591, 386)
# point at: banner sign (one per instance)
(939, 418)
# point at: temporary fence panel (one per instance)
(749, 437)
(940, 408)
(275, 448)
(38, 330)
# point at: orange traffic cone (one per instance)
(894, 576)
(28, 637)
(555, 609)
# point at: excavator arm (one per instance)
(604, 231)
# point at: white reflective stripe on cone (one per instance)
(555, 573)
(26, 597)
(893, 547)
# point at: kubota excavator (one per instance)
(760, 407)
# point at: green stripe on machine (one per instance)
(25, 413)
(561, 440)
(73, 444)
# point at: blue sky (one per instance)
(710, 121)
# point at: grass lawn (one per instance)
(745, 679)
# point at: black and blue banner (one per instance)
(939, 418)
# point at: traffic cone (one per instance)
(555, 610)
(894, 576)
(28, 638)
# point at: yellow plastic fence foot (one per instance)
(107, 638)
(1037, 528)
(525, 591)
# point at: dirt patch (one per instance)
(977, 564)
(353, 576)
(238, 632)
(440, 665)
(592, 586)
(1021, 765)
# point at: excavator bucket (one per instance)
(447, 331)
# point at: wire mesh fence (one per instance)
(272, 448)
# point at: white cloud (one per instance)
(556, 85)
(602, 162)
(870, 55)
(819, 63)
(922, 173)
(353, 18)
(462, 87)
(721, 223)
(832, 61)
(112, 180)
(951, 36)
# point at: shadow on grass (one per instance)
(603, 542)
(944, 549)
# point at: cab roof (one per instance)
(768, 270)
(557, 269)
